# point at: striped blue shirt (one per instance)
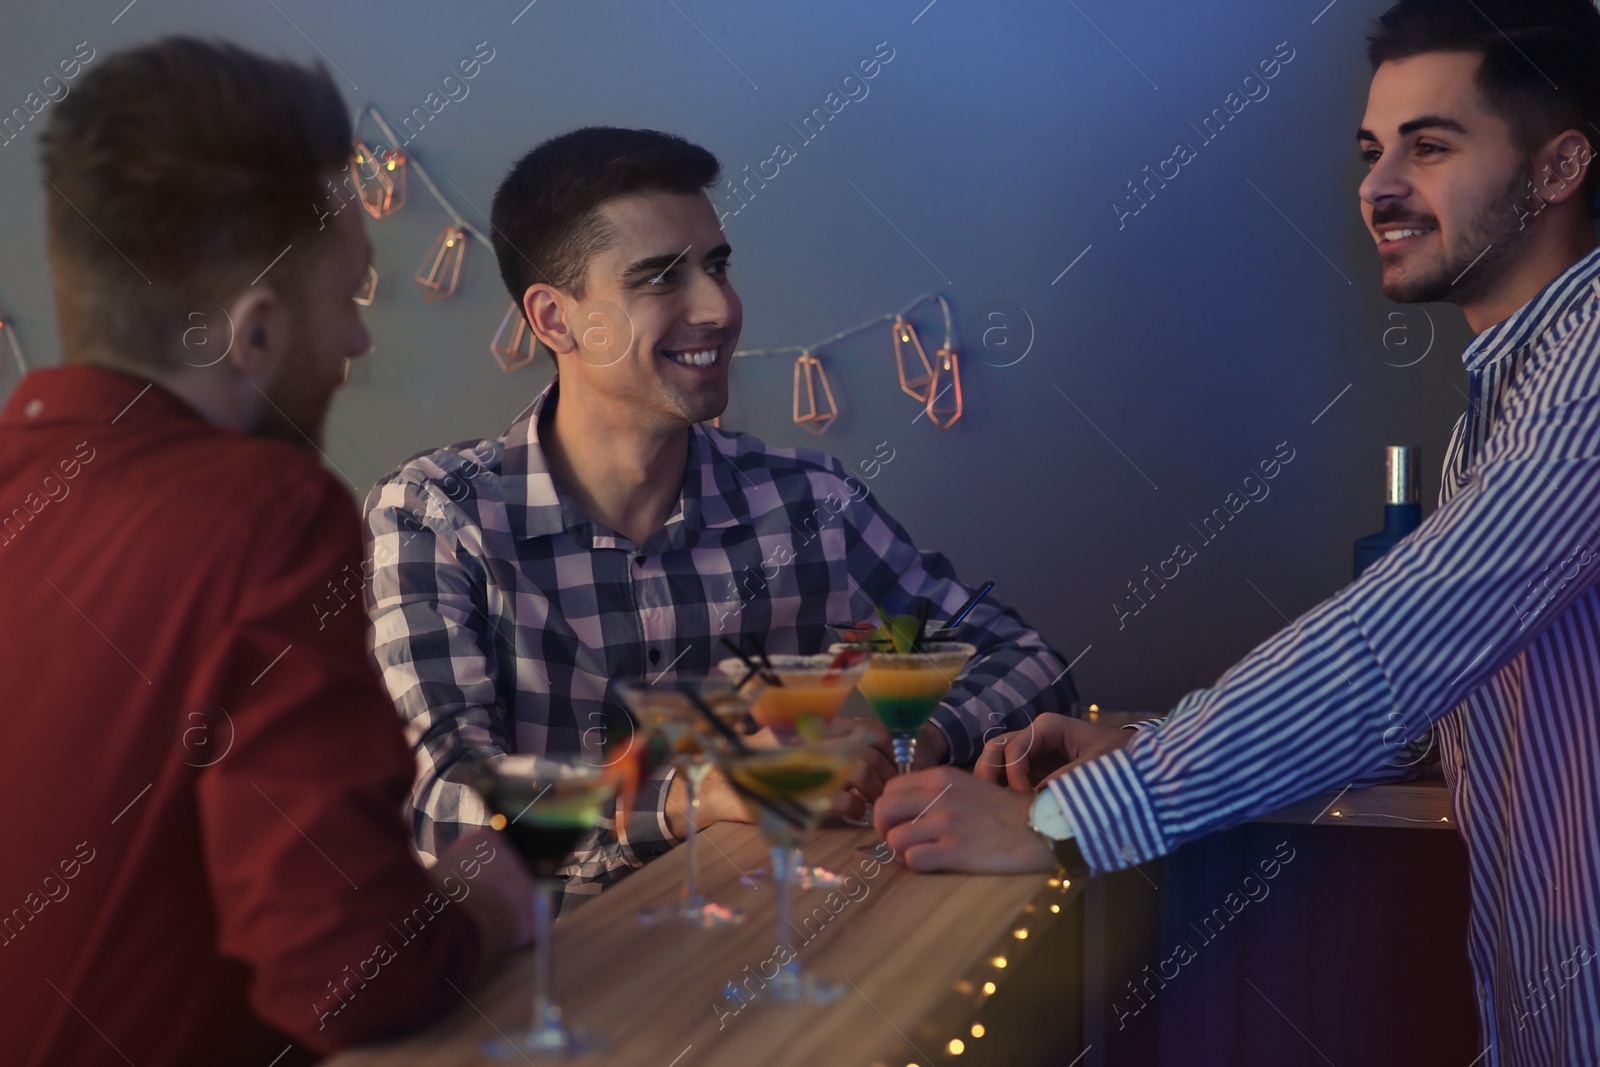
(1485, 620)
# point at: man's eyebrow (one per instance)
(1426, 122)
(653, 265)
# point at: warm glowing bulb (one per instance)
(977, 1030)
(450, 243)
(390, 165)
(988, 989)
(1020, 934)
(1055, 908)
(1094, 707)
(1054, 882)
(1066, 883)
(1338, 814)
(956, 1046)
(498, 822)
(1000, 961)
(361, 159)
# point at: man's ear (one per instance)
(261, 342)
(548, 309)
(1562, 165)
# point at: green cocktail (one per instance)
(787, 791)
(905, 688)
(545, 804)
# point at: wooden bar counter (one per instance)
(939, 963)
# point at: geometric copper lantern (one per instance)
(944, 399)
(508, 342)
(441, 269)
(808, 375)
(383, 192)
(918, 384)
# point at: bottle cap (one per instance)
(1400, 482)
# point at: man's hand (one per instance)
(932, 748)
(867, 779)
(1050, 745)
(718, 803)
(944, 819)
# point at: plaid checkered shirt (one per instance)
(501, 613)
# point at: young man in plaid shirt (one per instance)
(608, 534)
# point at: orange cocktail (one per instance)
(808, 685)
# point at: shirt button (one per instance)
(638, 561)
(655, 655)
(34, 407)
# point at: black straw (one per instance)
(784, 809)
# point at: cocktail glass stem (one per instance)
(691, 836)
(787, 984)
(905, 750)
(547, 1031)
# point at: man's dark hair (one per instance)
(176, 172)
(1540, 68)
(546, 213)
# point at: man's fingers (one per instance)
(907, 796)
(991, 762)
(927, 856)
(848, 804)
(1017, 772)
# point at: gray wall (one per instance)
(1191, 341)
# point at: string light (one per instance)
(510, 354)
(947, 369)
(918, 385)
(383, 192)
(369, 288)
(441, 269)
(924, 382)
(816, 418)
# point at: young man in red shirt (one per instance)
(206, 861)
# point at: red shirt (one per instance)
(202, 776)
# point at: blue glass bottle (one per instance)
(1402, 511)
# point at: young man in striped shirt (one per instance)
(608, 534)
(1479, 135)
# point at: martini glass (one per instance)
(905, 688)
(667, 709)
(545, 805)
(787, 790)
(809, 686)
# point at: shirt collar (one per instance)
(1577, 283)
(536, 506)
(83, 393)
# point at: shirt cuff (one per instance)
(1107, 804)
(645, 832)
(1146, 724)
(956, 736)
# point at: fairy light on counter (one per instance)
(956, 1046)
(978, 1030)
(988, 989)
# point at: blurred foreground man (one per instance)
(206, 862)
(1479, 136)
